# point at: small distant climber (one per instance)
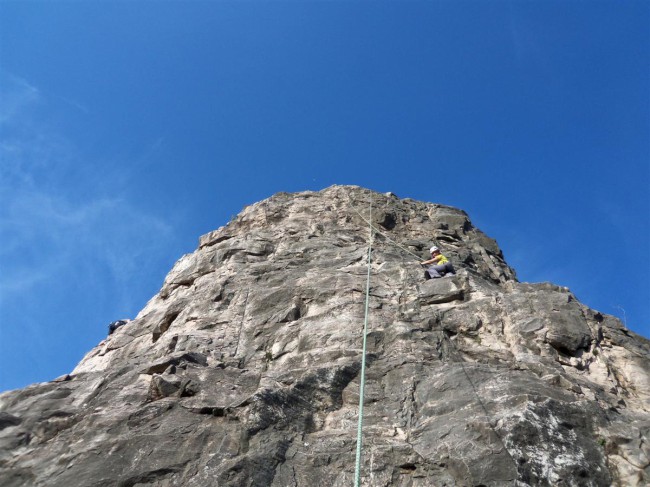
(442, 267)
(116, 324)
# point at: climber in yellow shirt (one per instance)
(442, 265)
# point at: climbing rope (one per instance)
(357, 468)
(363, 363)
(369, 222)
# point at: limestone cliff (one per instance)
(244, 369)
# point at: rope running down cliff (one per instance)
(418, 257)
(452, 345)
(357, 468)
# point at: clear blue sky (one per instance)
(129, 129)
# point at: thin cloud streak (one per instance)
(17, 94)
(59, 235)
(47, 230)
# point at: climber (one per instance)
(116, 324)
(442, 267)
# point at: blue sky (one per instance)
(129, 129)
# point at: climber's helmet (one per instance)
(434, 249)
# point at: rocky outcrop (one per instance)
(244, 369)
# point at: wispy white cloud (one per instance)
(48, 227)
(17, 95)
(75, 104)
(44, 233)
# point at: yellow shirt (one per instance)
(440, 259)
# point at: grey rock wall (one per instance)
(244, 369)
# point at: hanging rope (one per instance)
(369, 222)
(363, 363)
(357, 468)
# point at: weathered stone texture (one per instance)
(244, 369)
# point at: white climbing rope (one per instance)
(369, 222)
(357, 468)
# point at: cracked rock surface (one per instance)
(244, 369)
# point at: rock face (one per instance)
(244, 369)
